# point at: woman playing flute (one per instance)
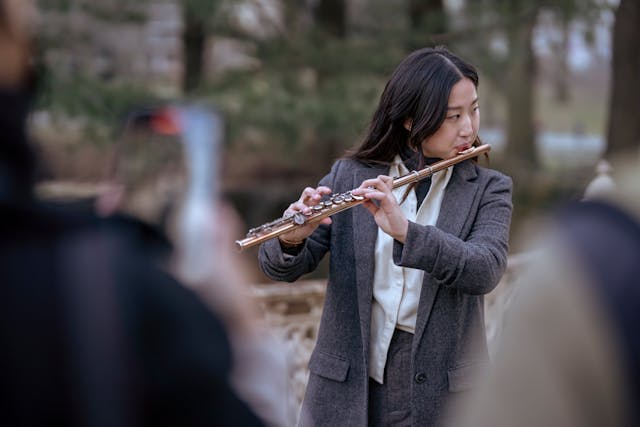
(402, 330)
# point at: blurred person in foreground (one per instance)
(92, 332)
(165, 183)
(570, 353)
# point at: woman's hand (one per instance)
(309, 198)
(386, 212)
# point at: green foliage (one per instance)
(199, 10)
(333, 57)
(113, 10)
(60, 5)
(304, 99)
(118, 11)
(100, 102)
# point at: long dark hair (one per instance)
(418, 90)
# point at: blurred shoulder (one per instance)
(148, 238)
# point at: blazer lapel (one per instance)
(454, 212)
(458, 198)
(365, 232)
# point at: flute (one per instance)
(339, 202)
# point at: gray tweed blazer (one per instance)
(463, 256)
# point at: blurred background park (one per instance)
(297, 82)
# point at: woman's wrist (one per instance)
(401, 236)
(290, 243)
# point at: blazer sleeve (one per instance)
(473, 265)
(277, 265)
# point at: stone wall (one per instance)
(292, 311)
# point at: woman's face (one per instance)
(460, 126)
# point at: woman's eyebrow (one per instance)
(456, 107)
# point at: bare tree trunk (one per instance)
(193, 40)
(331, 16)
(520, 100)
(427, 18)
(624, 107)
(427, 15)
(290, 8)
(561, 76)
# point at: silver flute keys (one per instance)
(342, 201)
(300, 218)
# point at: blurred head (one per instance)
(415, 108)
(147, 177)
(17, 163)
(15, 40)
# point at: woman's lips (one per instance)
(462, 147)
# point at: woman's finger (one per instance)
(308, 194)
(387, 181)
(311, 196)
(296, 207)
(371, 207)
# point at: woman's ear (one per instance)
(408, 124)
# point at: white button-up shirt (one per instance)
(396, 290)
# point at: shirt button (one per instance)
(420, 377)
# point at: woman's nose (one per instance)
(466, 127)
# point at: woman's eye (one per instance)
(476, 108)
(454, 117)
